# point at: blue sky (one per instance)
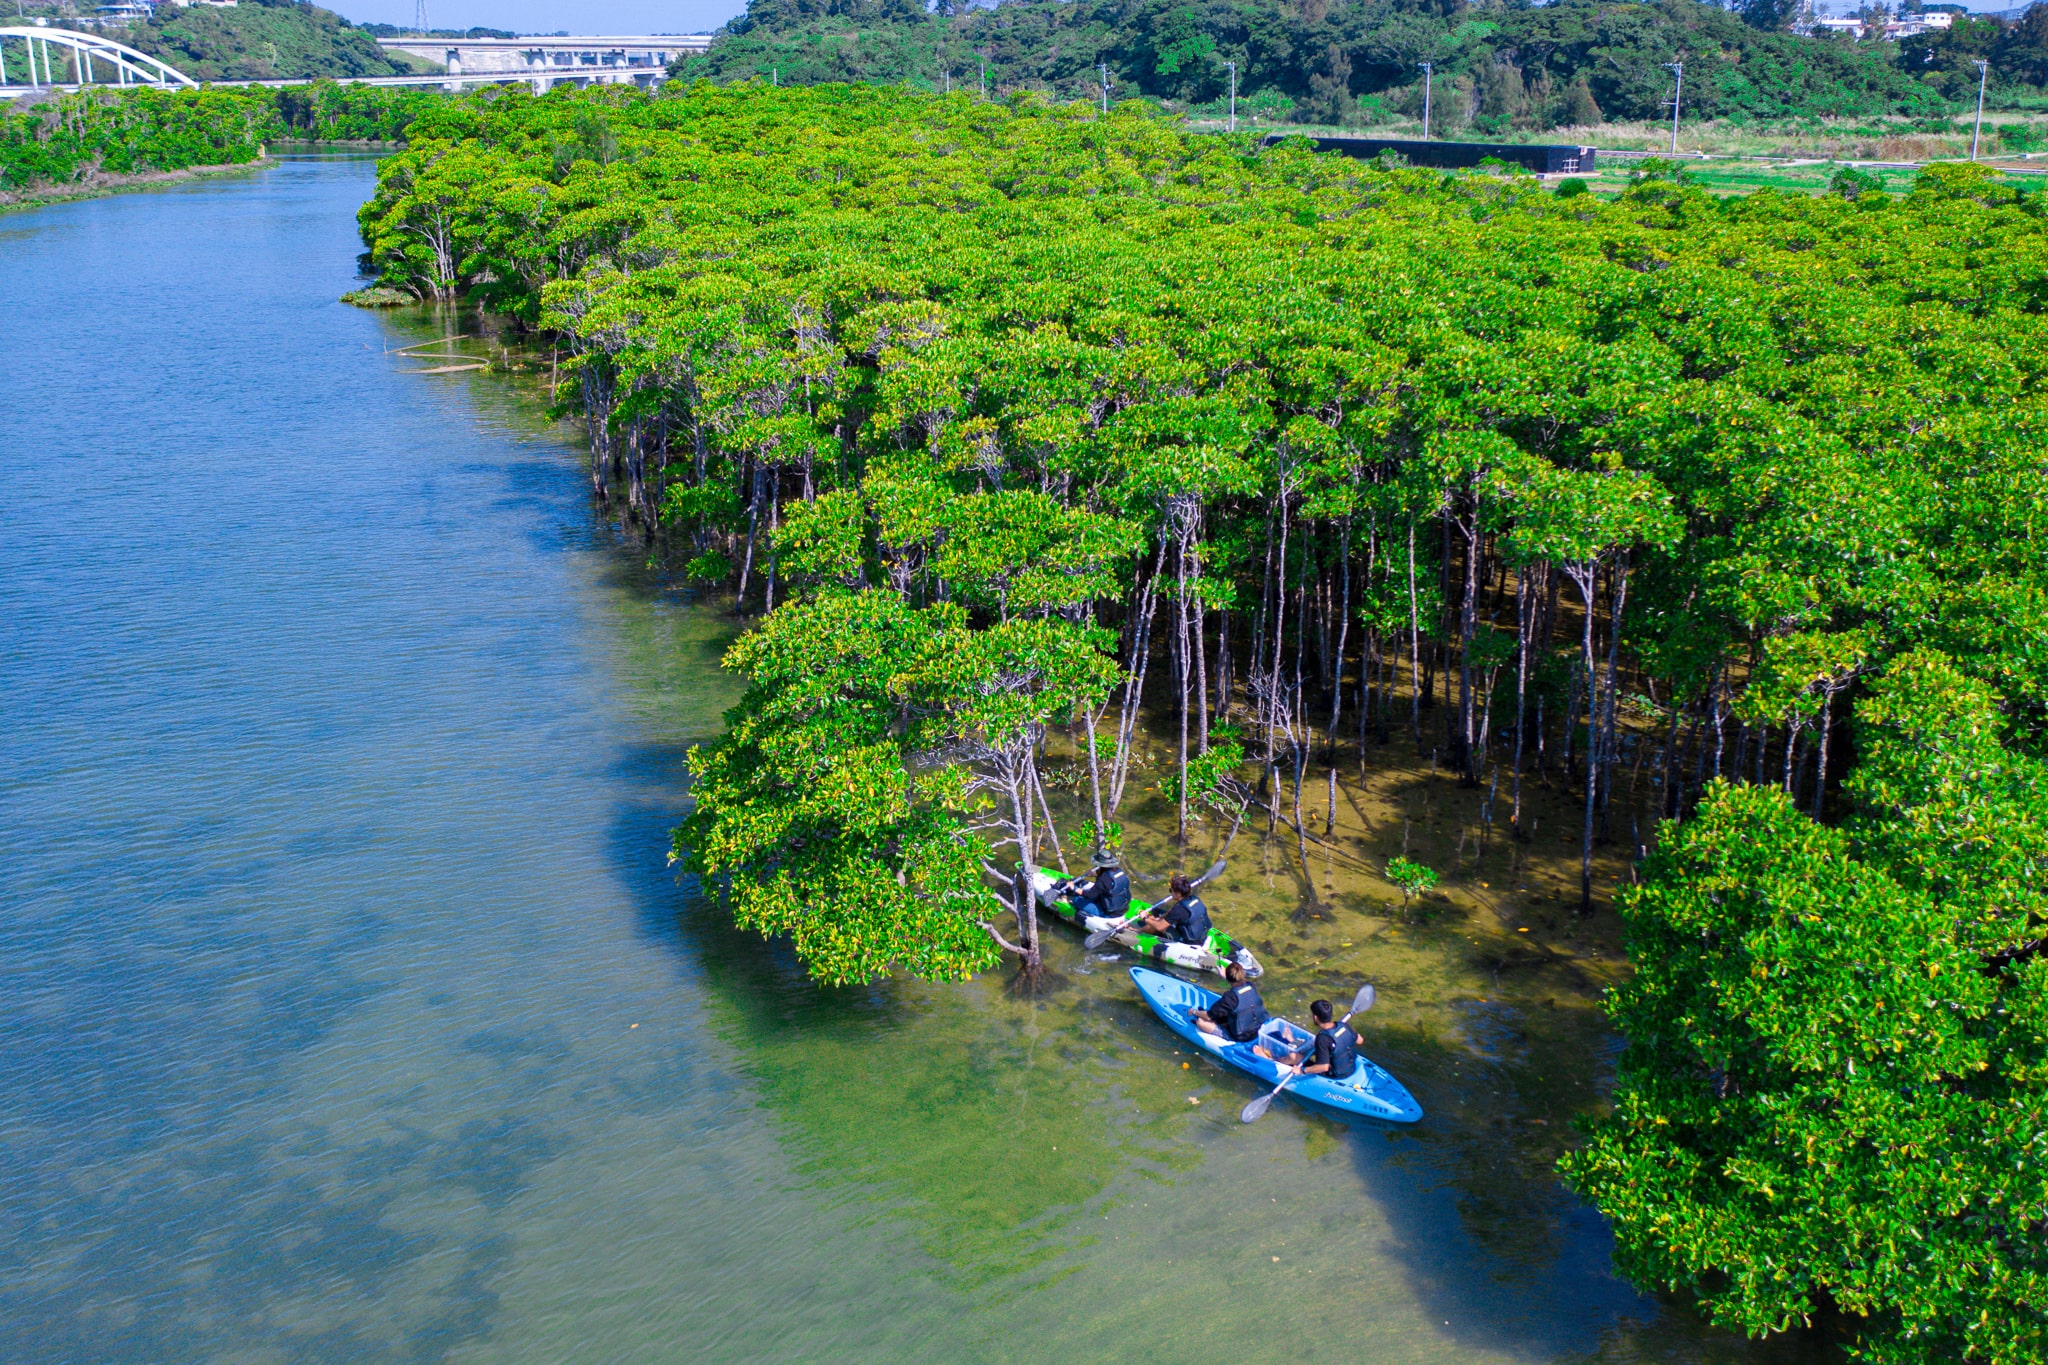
(549, 16)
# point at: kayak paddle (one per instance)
(1102, 936)
(1257, 1108)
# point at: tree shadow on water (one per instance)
(1493, 1244)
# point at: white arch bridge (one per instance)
(66, 58)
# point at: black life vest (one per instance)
(1109, 894)
(1248, 1014)
(1343, 1051)
(1198, 921)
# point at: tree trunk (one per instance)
(1820, 777)
(1094, 718)
(1586, 578)
(1523, 622)
(1134, 686)
(1181, 636)
(1020, 778)
(1414, 646)
(1468, 627)
(1052, 832)
(1343, 642)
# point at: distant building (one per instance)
(1912, 25)
(1893, 28)
(117, 15)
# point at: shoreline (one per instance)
(101, 186)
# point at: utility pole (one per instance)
(984, 75)
(1105, 89)
(1677, 92)
(1428, 74)
(1983, 73)
(947, 77)
(1233, 95)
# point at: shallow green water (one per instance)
(353, 1015)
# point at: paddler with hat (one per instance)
(1109, 894)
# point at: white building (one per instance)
(1896, 26)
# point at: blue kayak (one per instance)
(1369, 1092)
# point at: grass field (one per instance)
(1745, 175)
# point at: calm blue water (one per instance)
(350, 1012)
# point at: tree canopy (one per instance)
(1021, 428)
(1498, 67)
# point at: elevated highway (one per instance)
(548, 62)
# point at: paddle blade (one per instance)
(1364, 1000)
(1214, 872)
(1100, 937)
(1256, 1109)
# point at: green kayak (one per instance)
(1207, 957)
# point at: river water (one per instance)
(351, 1013)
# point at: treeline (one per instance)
(264, 40)
(1014, 425)
(76, 138)
(2016, 55)
(1498, 68)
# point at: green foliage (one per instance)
(259, 41)
(1826, 1104)
(1948, 805)
(982, 391)
(1853, 184)
(1516, 67)
(840, 807)
(138, 130)
(808, 813)
(1412, 877)
(103, 131)
(1946, 58)
(1212, 774)
(820, 541)
(326, 111)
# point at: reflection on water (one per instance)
(352, 1013)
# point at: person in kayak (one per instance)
(1109, 895)
(1238, 1013)
(1184, 919)
(1333, 1053)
